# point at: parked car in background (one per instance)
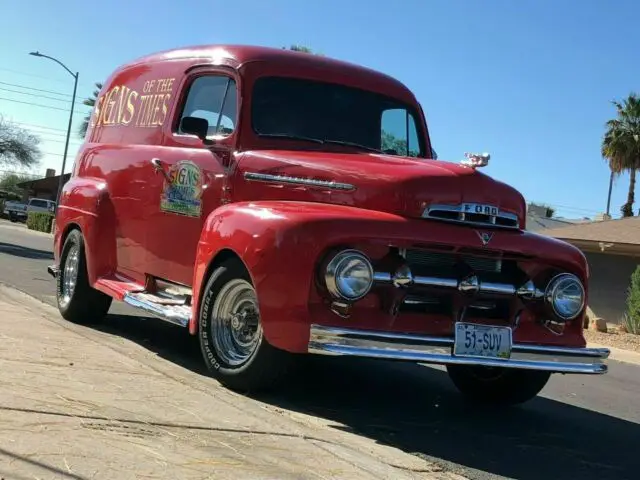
(18, 211)
(278, 203)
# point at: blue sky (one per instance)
(529, 81)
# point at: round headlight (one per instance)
(565, 295)
(349, 275)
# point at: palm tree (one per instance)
(621, 145)
(89, 102)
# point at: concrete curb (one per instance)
(619, 354)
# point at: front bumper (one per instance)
(423, 349)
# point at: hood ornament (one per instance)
(475, 160)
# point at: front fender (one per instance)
(281, 244)
(85, 204)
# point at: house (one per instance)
(539, 218)
(612, 248)
(46, 187)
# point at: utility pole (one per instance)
(609, 196)
(73, 102)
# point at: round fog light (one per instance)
(565, 295)
(349, 275)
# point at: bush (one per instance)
(631, 320)
(40, 221)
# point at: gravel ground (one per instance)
(626, 341)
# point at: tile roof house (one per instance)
(612, 248)
(539, 218)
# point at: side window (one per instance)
(399, 134)
(213, 98)
(39, 203)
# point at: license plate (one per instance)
(473, 340)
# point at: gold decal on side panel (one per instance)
(124, 105)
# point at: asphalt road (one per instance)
(579, 427)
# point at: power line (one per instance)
(36, 89)
(58, 154)
(71, 142)
(35, 95)
(40, 126)
(43, 106)
(53, 79)
(53, 134)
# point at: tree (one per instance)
(89, 102)
(621, 145)
(9, 182)
(631, 320)
(301, 48)
(392, 143)
(18, 146)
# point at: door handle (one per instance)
(158, 167)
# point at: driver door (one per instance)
(189, 177)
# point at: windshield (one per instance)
(319, 112)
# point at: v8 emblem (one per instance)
(485, 237)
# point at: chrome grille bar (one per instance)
(484, 216)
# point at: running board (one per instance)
(172, 310)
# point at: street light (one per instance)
(73, 101)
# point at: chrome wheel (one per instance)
(235, 323)
(70, 274)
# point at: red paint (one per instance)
(280, 232)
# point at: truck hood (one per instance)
(401, 185)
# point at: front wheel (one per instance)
(497, 386)
(78, 302)
(230, 332)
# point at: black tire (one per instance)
(13, 218)
(265, 368)
(84, 305)
(497, 386)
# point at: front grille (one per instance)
(422, 259)
(472, 214)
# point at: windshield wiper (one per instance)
(320, 141)
(291, 136)
(353, 144)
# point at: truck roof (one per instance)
(236, 56)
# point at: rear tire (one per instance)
(230, 331)
(497, 386)
(77, 301)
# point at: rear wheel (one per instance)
(497, 386)
(77, 301)
(230, 331)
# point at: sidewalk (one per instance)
(22, 227)
(77, 403)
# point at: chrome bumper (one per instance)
(422, 349)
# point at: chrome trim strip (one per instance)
(438, 350)
(309, 182)
(163, 312)
(435, 281)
